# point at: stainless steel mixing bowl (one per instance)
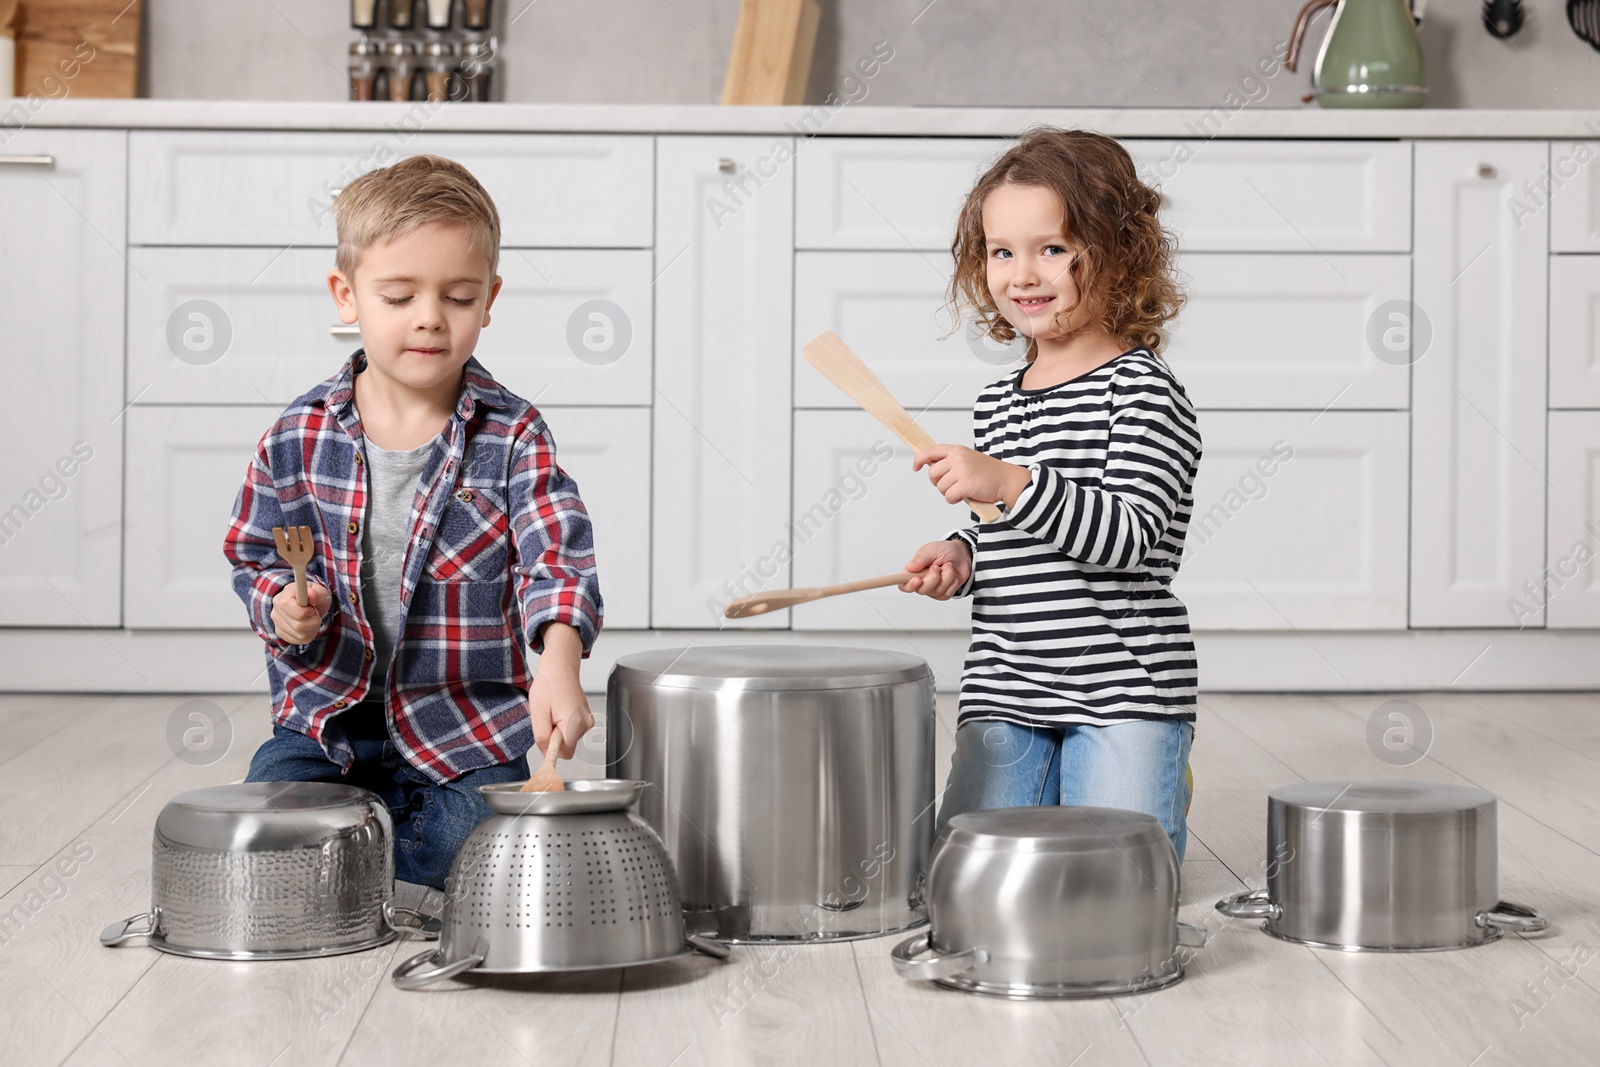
(557, 882)
(1051, 902)
(1382, 866)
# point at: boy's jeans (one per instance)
(430, 820)
(1138, 766)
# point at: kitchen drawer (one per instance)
(1299, 522)
(256, 325)
(1291, 331)
(214, 187)
(186, 464)
(1574, 331)
(1218, 196)
(1574, 184)
(1571, 586)
(861, 511)
(889, 308)
(185, 467)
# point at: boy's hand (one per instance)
(556, 696)
(947, 565)
(963, 474)
(297, 625)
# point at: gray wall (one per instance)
(1137, 53)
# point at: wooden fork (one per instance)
(296, 546)
(545, 779)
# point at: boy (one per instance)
(445, 534)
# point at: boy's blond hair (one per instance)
(393, 201)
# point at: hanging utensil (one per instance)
(1502, 18)
(1584, 18)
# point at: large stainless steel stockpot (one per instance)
(1051, 902)
(793, 784)
(269, 870)
(562, 881)
(1382, 866)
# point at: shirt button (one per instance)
(465, 496)
(352, 527)
(358, 457)
(368, 653)
(352, 596)
(340, 703)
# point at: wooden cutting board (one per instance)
(78, 48)
(771, 57)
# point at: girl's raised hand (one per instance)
(961, 473)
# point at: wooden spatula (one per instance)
(545, 779)
(761, 603)
(844, 368)
(296, 546)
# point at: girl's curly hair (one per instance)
(1125, 268)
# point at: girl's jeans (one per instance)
(430, 820)
(1138, 766)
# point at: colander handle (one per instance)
(120, 931)
(426, 928)
(907, 966)
(1518, 918)
(1249, 904)
(407, 976)
(709, 945)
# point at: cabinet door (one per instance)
(185, 467)
(724, 267)
(1571, 586)
(1299, 522)
(1575, 331)
(861, 511)
(1574, 184)
(1289, 331)
(1478, 393)
(62, 221)
(606, 450)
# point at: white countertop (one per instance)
(848, 120)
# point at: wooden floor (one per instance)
(84, 777)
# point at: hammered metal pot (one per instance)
(1041, 902)
(1382, 866)
(564, 881)
(270, 870)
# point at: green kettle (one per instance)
(1371, 56)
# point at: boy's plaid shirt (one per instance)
(500, 545)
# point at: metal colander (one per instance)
(558, 882)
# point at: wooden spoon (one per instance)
(761, 603)
(844, 368)
(296, 546)
(545, 779)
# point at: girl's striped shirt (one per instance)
(1073, 617)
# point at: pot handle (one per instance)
(118, 932)
(1249, 904)
(914, 970)
(427, 926)
(1191, 936)
(710, 946)
(407, 976)
(1518, 918)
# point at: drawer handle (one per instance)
(29, 161)
(726, 166)
(341, 330)
(1486, 170)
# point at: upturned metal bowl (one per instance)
(270, 870)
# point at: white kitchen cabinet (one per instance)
(1299, 522)
(199, 187)
(1218, 196)
(861, 511)
(186, 464)
(1570, 589)
(62, 221)
(185, 467)
(1294, 332)
(606, 450)
(889, 308)
(1574, 331)
(1574, 190)
(1478, 392)
(215, 325)
(724, 291)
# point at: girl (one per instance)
(1079, 686)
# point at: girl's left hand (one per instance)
(964, 474)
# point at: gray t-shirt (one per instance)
(385, 530)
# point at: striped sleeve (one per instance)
(1154, 444)
(259, 573)
(554, 569)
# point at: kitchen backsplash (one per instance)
(1088, 53)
